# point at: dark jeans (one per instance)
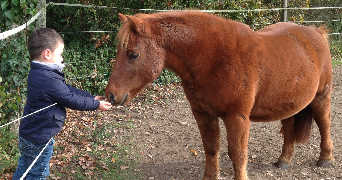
(29, 151)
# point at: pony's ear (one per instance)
(122, 18)
(138, 25)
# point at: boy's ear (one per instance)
(47, 54)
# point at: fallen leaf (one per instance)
(87, 157)
(104, 166)
(194, 152)
(56, 178)
(124, 167)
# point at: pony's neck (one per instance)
(185, 40)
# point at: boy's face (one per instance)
(56, 55)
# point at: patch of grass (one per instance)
(336, 52)
(89, 149)
(118, 164)
(336, 62)
(9, 152)
(130, 124)
(167, 77)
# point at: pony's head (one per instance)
(139, 59)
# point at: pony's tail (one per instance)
(302, 125)
(323, 31)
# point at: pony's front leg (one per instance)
(237, 135)
(210, 133)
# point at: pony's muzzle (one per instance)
(113, 101)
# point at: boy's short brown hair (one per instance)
(41, 39)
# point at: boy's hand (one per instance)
(99, 98)
(104, 106)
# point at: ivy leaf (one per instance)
(23, 2)
(16, 81)
(31, 12)
(18, 99)
(15, 2)
(16, 9)
(32, 5)
(15, 107)
(4, 5)
(9, 14)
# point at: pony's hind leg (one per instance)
(210, 133)
(295, 129)
(289, 140)
(322, 116)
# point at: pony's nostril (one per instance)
(112, 98)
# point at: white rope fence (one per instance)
(16, 30)
(26, 115)
(208, 11)
(212, 11)
(29, 168)
(11, 32)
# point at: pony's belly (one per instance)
(282, 100)
(279, 111)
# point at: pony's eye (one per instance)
(133, 56)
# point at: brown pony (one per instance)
(228, 71)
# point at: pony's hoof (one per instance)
(323, 163)
(281, 164)
(213, 177)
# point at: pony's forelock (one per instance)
(124, 36)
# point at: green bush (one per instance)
(14, 58)
(9, 152)
(14, 65)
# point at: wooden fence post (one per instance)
(41, 20)
(284, 12)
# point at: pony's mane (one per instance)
(125, 32)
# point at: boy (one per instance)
(46, 86)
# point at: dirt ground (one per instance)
(167, 137)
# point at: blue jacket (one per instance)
(47, 86)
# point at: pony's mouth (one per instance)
(114, 102)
